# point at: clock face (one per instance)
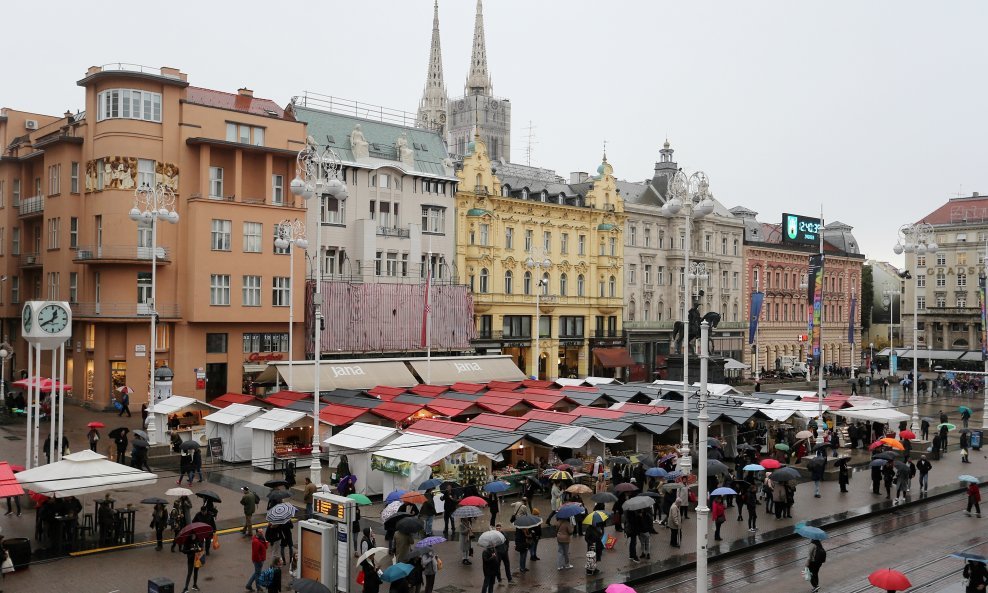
(27, 318)
(53, 319)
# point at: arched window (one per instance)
(544, 196)
(506, 190)
(545, 283)
(562, 284)
(484, 281)
(612, 287)
(734, 312)
(524, 193)
(631, 311)
(480, 182)
(527, 283)
(508, 282)
(646, 308)
(580, 285)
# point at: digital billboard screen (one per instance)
(801, 230)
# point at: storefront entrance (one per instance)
(215, 379)
(118, 375)
(519, 355)
(569, 361)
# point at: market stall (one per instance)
(227, 436)
(182, 416)
(578, 441)
(515, 456)
(413, 458)
(279, 436)
(358, 442)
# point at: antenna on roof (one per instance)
(960, 191)
(530, 142)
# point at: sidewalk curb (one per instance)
(152, 542)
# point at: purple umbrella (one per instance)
(345, 483)
(434, 540)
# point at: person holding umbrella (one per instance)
(466, 530)
(124, 400)
(492, 568)
(888, 474)
(203, 516)
(976, 574)
(449, 499)
(372, 576)
(159, 521)
(192, 549)
(196, 464)
(523, 540)
(93, 435)
(814, 563)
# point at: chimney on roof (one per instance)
(976, 194)
(68, 114)
(245, 92)
(578, 177)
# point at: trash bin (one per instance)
(19, 549)
(161, 585)
(976, 436)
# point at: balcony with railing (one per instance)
(105, 310)
(386, 231)
(29, 260)
(33, 206)
(116, 254)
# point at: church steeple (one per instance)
(432, 107)
(479, 81)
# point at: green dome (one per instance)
(605, 226)
(477, 212)
(600, 169)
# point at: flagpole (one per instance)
(428, 318)
(819, 386)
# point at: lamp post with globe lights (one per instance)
(151, 205)
(6, 351)
(291, 234)
(688, 195)
(317, 173)
(539, 262)
(915, 239)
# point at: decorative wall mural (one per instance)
(120, 172)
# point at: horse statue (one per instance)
(711, 317)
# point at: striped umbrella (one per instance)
(281, 513)
(467, 512)
(561, 476)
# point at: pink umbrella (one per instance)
(618, 588)
(42, 383)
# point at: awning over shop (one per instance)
(888, 415)
(233, 413)
(574, 437)
(275, 420)
(613, 358)
(341, 374)
(179, 402)
(470, 369)
(361, 437)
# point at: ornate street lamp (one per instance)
(538, 261)
(291, 234)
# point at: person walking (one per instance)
(751, 501)
(307, 493)
(816, 474)
(372, 577)
(675, 521)
(204, 516)
(943, 439)
(973, 499)
(249, 503)
(901, 484)
(594, 535)
(124, 400)
(976, 574)
(632, 526)
(184, 468)
(813, 564)
(492, 568)
(290, 474)
(888, 475)
(430, 566)
(466, 529)
(564, 534)
(176, 518)
(93, 437)
(779, 499)
(503, 549)
(275, 585)
(642, 517)
(121, 442)
(924, 466)
(192, 549)
(965, 416)
(449, 500)
(493, 505)
(159, 521)
(523, 541)
(427, 513)
(843, 476)
(258, 553)
(555, 499)
(196, 465)
(719, 515)
(924, 429)
(536, 535)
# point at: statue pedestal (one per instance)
(674, 369)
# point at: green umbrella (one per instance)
(782, 447)
(963, 409)
(360, 499)
(947, 424)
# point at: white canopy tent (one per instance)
(174, 405)
(83, 472)
(883, 415)
(797, 392)
(578, 438)
(358, 442)
(734, 365)
(783, 410)
(229, 425)
(406, 461)
(264, 427)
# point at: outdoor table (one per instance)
(124, 520)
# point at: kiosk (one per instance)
(280, 436)
(229, 425)
(324, 543)
(180, 415)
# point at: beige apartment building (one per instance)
(67, 184)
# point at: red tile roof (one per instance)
(537, 384)
(468, 387)
(236, 102)
(448, 407)
(642, 408)
(291, 395)
(498, 421)
(397, 411)
(499, 401)
(504, 385)
(383, 390)
(603, 413)
(339, 414)
(544, 401)
(946, 214)
(429, 390)
(547, 416)
(277, 400)
(232, 398)
(438, 428)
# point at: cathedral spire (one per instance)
(479, 81)
(432, 107)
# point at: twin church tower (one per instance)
(478, 108)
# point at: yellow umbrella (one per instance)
(561, 475)
(596, 517)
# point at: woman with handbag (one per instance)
(193, 554)
(719, 514)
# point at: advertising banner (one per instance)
(984, 317)
(391, 466)
(815, 296)
(756, 312)
(850, 321)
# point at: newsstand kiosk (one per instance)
(324, 542)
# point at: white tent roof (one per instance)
(600, 380)
(82, 473)
(574, 437)
(419, 448)
(233, 413)
(176, 403)
(731, 364)
(782, 410)
(799, 392)
(276, 419)
(873, 414)
(361, 436)
(566, 382)
(861, 401)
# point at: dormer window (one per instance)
(524, 193)
(506, 190)
(544, 196)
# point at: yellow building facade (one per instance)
(568, 246)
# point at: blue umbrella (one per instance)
(432, 540)
(656, 472)
(970, 556)
(811, 532)
(281, 513)
(675, 474)
(496, 486)
(396, 495)
(396, 572)
(723, 492)
(569, 510)
(877, 462)
(968, 478)
(753, 467)
(429, 484)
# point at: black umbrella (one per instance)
(140, 443)
(887, 456)
(189, 445)
(618, 459)
(785, 474)
(154, 500)
(209, 495)
(275, 483)
(455, 486)
(822, 446)
(746, 447)
(574, 462)
(654, 495)
(279, 495)
(715, 467)
(392, 523)
(309, 586)
(901, 465)
(415, 553)
(713, 442)
(816, 462)
(118, 431)
(603, 497)
(408, 525)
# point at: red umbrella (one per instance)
(770, 463)
(890, 580)
(907, 434)
(473, 501)
(42, 383)
(96, 425)
(201, 531)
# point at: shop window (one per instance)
(216, 343)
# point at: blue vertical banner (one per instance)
(984, 320)
(755, 313)
(815, 296)
(850, 321)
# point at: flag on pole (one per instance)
(850, 321)
(425, 309)
(815, 295)
(755, 313)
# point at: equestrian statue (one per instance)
(711, 317)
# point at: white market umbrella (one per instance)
(83, 473)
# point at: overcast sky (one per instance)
(873, 109)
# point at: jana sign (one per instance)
(467, 367)
(347, 371)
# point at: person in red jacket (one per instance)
(258, 554)
(719, 515)
(974, 498)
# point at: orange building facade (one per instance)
(67, 184)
